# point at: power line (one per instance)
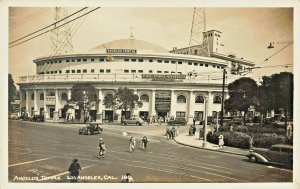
(54, 28)
(46, 27)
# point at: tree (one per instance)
(279, 89)
(242, 95)
(84, 95)
(124, 99)
(12, 92)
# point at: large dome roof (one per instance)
(139, 45)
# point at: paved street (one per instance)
(42, 152)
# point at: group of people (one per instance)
(171, 132)
(132, 143)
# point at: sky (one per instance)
(246, 32)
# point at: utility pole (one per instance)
(223, 96)
(205, 121)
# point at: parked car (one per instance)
(278, 154)
(177, 121)
(37, 118)
(90, 128)
(133, 120)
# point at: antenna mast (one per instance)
(61, 38)
(198, 37)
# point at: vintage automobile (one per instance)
(37, 118)
(90, 128)
(177, 121)
(133, 120)
(278, 154)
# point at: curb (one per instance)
(193, 146)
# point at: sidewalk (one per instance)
(194, 141)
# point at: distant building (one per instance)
(169, 83)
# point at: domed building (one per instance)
(169, 83)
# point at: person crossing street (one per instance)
(102, 148)
(144, 143)
(131, 144)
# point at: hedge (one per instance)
(233, 139)
(253, 129)
(266, 140)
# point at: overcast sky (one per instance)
(245, 32)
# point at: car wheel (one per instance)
(253, 159)
(140, 124)
(137, 124)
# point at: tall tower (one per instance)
(198, 40)
(61, 38)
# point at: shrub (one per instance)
(233, 139)
(266, 140)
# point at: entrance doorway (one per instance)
(93, 114)
(77, 114)
(109, 115)
(162, 114)
(144, 115)
(51, 112)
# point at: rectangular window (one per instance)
(173, 62)
(133, 60)
(214, 66)
(179, 62)
(195, 64)
(179, 72)
(158, 71)
(166, 71)
(133, 71)
(67, 71)
(126, 60)
(140, 71)
(150, 71)
(92, 70)
(141, 60)
(78, 60)
(201, 64)
(101, 59)
(59, 61)
(84, 71)
(73, 71)
(180, 114)
(107, 70)
(51, 72)
(172, 72)
(84, 60)
(166, 61)
(55, 72)
(206, 65)
(78, 71)
(73, 60)
(150, 60)
(92, 60)
(47, 72)
(189, 63)
(159, 61)
(60, 71)
(55, 61)
(101, 71)
(218, 66)
(126, 71)
(67, 60)
(198, 115)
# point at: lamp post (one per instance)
(223, 96)
(205, 121)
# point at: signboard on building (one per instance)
(162, 102)
(50, 100)
(126, 51)
(160, 77)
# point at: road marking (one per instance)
(64, 173)
(27, 162)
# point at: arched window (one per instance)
(217, 100)
(181, 99)
(144, 98)
(108, 98)
(199, 99)
(64, 96)
(42, 96)
(32, 96)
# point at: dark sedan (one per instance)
(90, 128)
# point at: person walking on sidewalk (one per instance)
(173, 132)
(221, 141)
(102, 148)
(74, 171)
(131, 144)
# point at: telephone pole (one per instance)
(223, 97)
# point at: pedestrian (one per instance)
(221, 140)
(168, 132)
(173, 131)
(127, 178)
(74, 171)
(144, 142)
(194, 121)
(102, 148)
(131, 144)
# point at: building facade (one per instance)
(169, 83)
